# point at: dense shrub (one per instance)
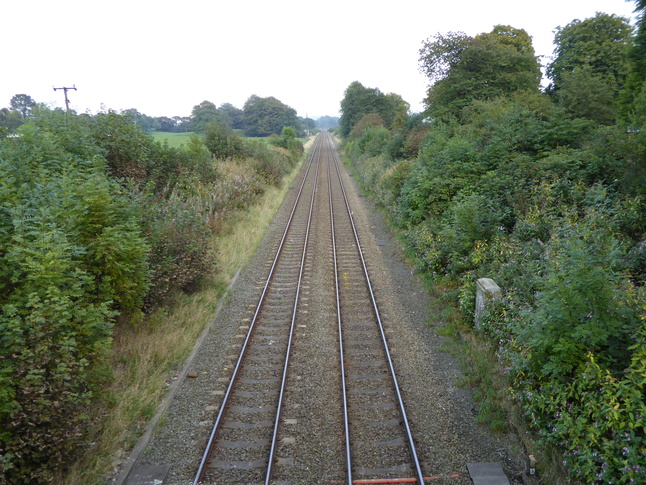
(273, 162)
(598, 420)
(71, 258)
(222, 142)
(182, 252)
(126, 148)
(98, 225)
(551, 207)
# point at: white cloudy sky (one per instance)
(164, 57)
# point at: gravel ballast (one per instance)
(442, 415)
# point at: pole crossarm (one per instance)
(67, 101)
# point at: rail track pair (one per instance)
(378, 443)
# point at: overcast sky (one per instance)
(164, 57)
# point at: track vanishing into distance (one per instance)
(291, 382)
(319, 256)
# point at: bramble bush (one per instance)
(598, 420)
(181, 253)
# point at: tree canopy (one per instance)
(233, 117)
(359, 101)
(591, 65)
(267, 116)
(203, 114)
(600, 43)
(637, 56)
(22, 103)
(464, 69)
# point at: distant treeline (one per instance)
(258, 117)
(545, 192)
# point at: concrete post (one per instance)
(486, 289)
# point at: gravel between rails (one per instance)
(442, 415)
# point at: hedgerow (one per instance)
(548, 206)
(71, 258)
(99, 225)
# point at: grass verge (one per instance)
(147, 357)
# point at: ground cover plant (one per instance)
(101, 230)
(548, 199)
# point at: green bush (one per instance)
(71, 259)
(598, 420)
(125, 146)
(584, 303)
(222, 142)
(552, 208)
(181, 253)
(97, 224)
(288, 141)
(54, 345)
(272, 162)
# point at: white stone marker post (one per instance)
(486, 289)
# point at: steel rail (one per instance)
(200, 472)
(291, 331)
(346, 421)
(420, 476)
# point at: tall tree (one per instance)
(266, 116)
(182, 124)
(232, 116)
(395, 111)
(359, 101)
(22, 103)
(325, 122)
(441, 53)
(165, 123)
(203, 114)
(637, 57)
(143, 121)
(9, 120)
(586, 94)
(600, 44)
(487, 66)
(307, 123)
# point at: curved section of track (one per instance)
(376, 440)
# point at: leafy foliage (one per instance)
(266, 116)
(545, 194)
(600, 43)
(71, 258)
(203, 115)
(99, 224)
(481, 68)
(359, 101)
(591, 65)
(222, 142)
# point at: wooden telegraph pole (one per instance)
(67, 101)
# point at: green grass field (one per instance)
(175, 140)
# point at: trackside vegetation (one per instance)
(548, 197)
(101, 230)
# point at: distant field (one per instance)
(174, 139)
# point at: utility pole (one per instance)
(67, 101)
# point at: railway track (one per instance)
(319, 256)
